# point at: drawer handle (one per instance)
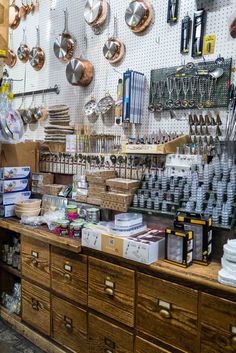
(67, 276)
(109, 291)
(35, 262)
(35, 304)
(165, 314)
(68, 326)
(234, 340)
(107, 351)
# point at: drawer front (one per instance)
(105, 337)
(216, 341)
(69, 325)
(35, 260)
(143, 346)
(167, 311)
(218, 321)
(36, 307)
(69, 274)
(111, 290)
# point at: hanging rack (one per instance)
(56, 89)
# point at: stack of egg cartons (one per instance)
(14, 187)
(227, 275)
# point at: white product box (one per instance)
(146, 248)
(14, 173)
(92, 238)
(15, 185)
(71, 143)
(13, 197)
(7, 211)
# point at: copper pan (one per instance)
(145, 19)
(96, 12)
(23, 50)
(23, 10)
(11, 59)
(14, 15)
(36, 55)
(79, 72)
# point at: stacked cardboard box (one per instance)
(39, 180)
(97, 184)
(120, 194)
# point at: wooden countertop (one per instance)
(203, 276)
(41, 233)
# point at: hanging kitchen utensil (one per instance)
(23, 10)
(79, 71)
(114, 49)
(172, 12)
(44, 110)
(185, 35)
(36, 55)
(138, 15)
(198, 33)
(23, 50)
(95, 13)
(64, 44)
(36, 112)
(11, 58)
(90, 108)
(14, 15)
(105, 104)
(27, 115)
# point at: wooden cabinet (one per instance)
(168, 311)
(143, 346)
(36, 307)
(69, 325)
(218, 325)
(111, 290)
(69, 274)
(35, 260)
(105, 337)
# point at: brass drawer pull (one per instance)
(165, 314)
(68, 326)
(35, 262)
(67, 276)
(107, 351)
(234, 340)
(35, 304)
(109, 291)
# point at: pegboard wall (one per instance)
(158, 47)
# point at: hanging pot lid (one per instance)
(138, 15)
(92, 11)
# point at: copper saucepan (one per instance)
(14, 15)
(138, 15)
(114, 48)
(23, 50)
(11, 58)
(64, 44)
(36, 55)
(79, 72)
(95, 12)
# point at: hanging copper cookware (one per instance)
(95, 12)
(64, 44)
(114, 49)
(36, 55)
(23, 10)
(14, 15)
(11, 58)
(23, 50)
(79, 72)
(138, 15)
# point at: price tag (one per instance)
(35, 254)
(68, 268)
(164, 305)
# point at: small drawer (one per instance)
(111, 290)
(218, 324)
(36, 307)
(143, 346)
(105, 337)
(69, 275)
(35, 260)
(69, 325)
(167, 311)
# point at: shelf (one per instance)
(10, 269)
(152, 212)
(4, 313)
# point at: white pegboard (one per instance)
(158, 47)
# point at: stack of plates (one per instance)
(59, 120)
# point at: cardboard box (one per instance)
(92, 238)
(115, 206)
(13, 197)
(93, 201)
(16, 185)
(42, 179)
(117, 197)
(103, 174)
(7, 211)
(146, 248)
(124, 184)
(9, 173)
(25, 153)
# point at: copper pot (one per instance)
(114, 50)
(95, 13)
(11, 58)
(139, 15)
(79, 72)
(23, 50)
(36, 55)
(14, 16)
(23, 10)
